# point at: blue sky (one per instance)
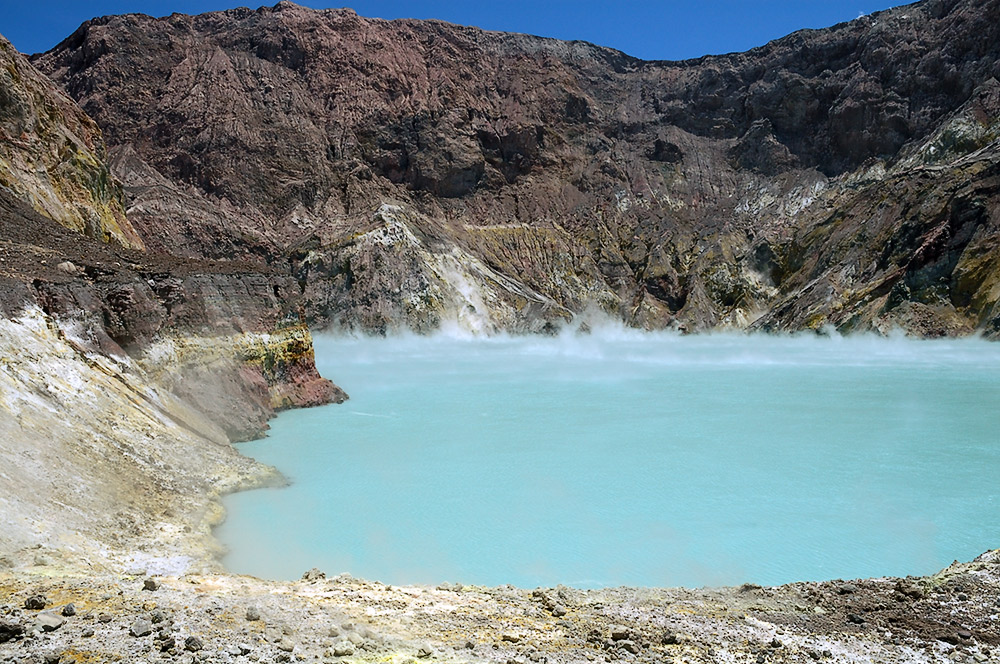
(652, 29)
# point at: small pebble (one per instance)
(193, 644)
(69, 610)
(343, 649)
(36, 602)
(141, 627)
(49, 622)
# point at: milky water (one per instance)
(628, 458)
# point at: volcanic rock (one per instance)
(416, 173)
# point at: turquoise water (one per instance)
(629, 458)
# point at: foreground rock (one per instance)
(948, 617)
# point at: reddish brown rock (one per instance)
(124, 302)
(562, 176)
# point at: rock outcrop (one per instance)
(127, 302)
(124, 375)
(218, 334)
(52, 155)
(371, 157)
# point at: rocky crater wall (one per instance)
(368, 155)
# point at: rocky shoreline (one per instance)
(51, 611)
(114, 514)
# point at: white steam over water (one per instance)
(623, 457)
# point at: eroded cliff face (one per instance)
(100, 462)
(219, 335)
(52, 155)
(228, 337)
(124, 375)
(415, 173)
(123, 379)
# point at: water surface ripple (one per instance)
(631, 458)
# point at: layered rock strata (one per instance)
(413, 174)
(53, 156)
